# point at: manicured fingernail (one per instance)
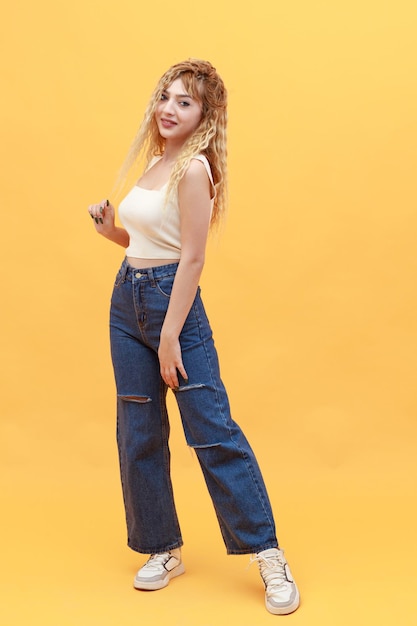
(96, 220)
(101, 221)
(92, 216)
(101, 209)
(107, 203)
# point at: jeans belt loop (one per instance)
(151, 277)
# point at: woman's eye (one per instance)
(163, 97)
(184, 104)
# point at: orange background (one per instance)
(311, 290)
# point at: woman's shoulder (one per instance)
(204, 160)
(195, 173)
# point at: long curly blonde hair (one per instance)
(203, 83)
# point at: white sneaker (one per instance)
(158, 570)
(281, 593)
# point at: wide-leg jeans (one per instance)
(139, 303)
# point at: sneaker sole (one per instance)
(153, 585)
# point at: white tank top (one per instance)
(152, 223)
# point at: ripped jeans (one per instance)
(138, 307)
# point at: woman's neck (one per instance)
(171, 152)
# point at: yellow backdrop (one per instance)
(311, 290)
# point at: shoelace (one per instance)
(156, 560)
(272, 571)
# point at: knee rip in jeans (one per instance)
(198, 446)
(189, 387)
(138, 399)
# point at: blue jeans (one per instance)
(138, 307)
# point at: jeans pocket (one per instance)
(164, 285)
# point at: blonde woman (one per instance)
(161, 338)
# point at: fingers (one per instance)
(97, 211)
(182, 371)
(170, 359)
(170, 376)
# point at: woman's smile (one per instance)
(166, 123)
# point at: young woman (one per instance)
(161, 338)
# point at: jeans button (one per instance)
(138, 275)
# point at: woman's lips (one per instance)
(167, 123)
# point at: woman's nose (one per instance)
(168, 107)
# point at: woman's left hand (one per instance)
(170, 361)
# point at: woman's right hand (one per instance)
(103, 217)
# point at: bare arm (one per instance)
(194, 202)
(103, 218)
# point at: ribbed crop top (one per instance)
(152, 222)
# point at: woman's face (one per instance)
(177, 114)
